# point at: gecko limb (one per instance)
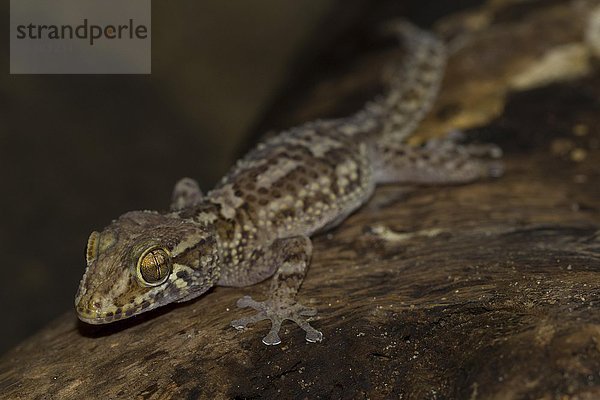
(186, 194)
(438, 161)
(292, 255)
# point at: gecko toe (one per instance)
(248, 301)
(495, 169)
(456, 135)
(272, 337)
(314, 336)
(277, 312)
(244, 322)
(484, 150)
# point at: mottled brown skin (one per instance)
(257, 222)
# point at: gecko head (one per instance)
(144, 260)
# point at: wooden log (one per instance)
(488, 290)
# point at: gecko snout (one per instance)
(94, 304)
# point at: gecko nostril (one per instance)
(94, 304)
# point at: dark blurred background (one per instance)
(78, 151)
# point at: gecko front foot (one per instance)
(277, 312)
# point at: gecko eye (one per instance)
(154, 266)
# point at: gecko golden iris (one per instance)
(154, 266)
(257, 222)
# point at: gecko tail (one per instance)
(412, 84)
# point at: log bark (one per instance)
(487, 290)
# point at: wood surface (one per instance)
(482, 291)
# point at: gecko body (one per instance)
(257, 222)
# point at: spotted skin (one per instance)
(257, 222)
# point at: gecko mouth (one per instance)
(104, 317)
(97, 318)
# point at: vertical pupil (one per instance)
(156, 263)
(154, 266)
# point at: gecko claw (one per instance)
(248, 301)
(314, 335)
(277, 312)
(272, 338)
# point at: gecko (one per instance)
(258, 220)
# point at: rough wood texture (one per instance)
(490, 290)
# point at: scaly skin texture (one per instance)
(257, 222)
